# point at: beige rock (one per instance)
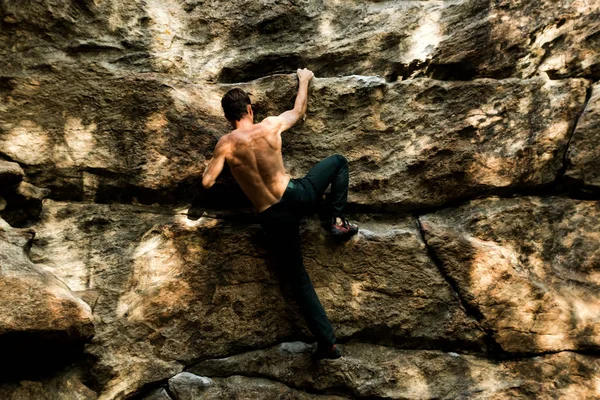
(186, 386)
(33, 300)
(584, 149)
(10, 173)
(173, 290)
(527, 265)
(411, 144)
(506, 38)
(23, 203)
(65, 386)
(373, 371)
(233, 43)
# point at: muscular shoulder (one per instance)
(271, 124)
(224, 145)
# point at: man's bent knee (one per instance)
(342, 161)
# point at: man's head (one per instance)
(236, 103)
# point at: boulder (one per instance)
(527, 266)
(66, 385)
(187, 386)
(11, 173)
(233, 43)
(172, 290)
(378, 372)
(40, 318)
(411, 144)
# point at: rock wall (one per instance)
(472, 132)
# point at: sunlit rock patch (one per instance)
(528, 265)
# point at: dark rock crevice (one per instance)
(572, 129)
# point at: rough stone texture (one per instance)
(413, 144)
(186, 386)
(23, 203)
(584, 149)
(158, 394)
(11, 173)
(529, 266)
(32, 300)
(81, 123)
(373, 371)
(65, 386)
(518, 38)
(234, 43)
(433, 102)
(422, 143)
(168, 292)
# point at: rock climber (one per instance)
(253, 153)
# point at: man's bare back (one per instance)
(253, 151)
(254, 157)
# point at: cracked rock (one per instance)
(373, 371)
(584, 149)
(528, 265)
(166, 284)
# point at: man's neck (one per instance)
(244, 123)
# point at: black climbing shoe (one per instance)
(343, 231)
(194, 213)
(323, 352)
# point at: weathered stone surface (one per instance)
(32, 300)
(111, 101)
(528, 265)
(158, 394)
(411, 144)
(229, 42)
(373, 371)
(187, 386)
(23, 203)
(11, 173)
(173, 290)
(422, 143)
(64, 386)
(522, 38)
(584, 149)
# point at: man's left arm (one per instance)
(215, 165)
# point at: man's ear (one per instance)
(249, 110)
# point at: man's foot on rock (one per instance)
(341, 228)
(194, 213)
(322, 352)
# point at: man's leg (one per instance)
(282, 229)
(332, 170)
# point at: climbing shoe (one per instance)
(341, 228)
(329, 352)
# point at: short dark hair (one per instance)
(234, 104)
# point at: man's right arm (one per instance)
(289, 118)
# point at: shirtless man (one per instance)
(253, 152)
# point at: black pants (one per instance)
(281, 224)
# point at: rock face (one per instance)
(529, 267)
(471, 130)
(66, 386)
(33, 300)
(179, 296)
(120, 136)
(186, 386)
(584, 153)
(373, 371)
(43, 325)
